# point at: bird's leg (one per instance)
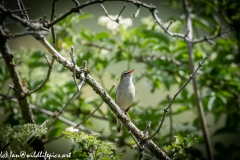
(127, 113)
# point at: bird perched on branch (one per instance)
(125, 93)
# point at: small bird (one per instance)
(125, 93)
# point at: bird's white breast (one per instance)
(125, 96)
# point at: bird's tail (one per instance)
(119, 126)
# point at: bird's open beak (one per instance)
(130, 71)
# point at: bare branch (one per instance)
(56, 55)
(170, 119)
(52, 28)
(73, 10)
(117, 20)
(141, 147)
(145, 132)
(184, 37)
(46, 79)
(106, 13)
(170, 23)
(74, 65)
(175, 96)
(137, 12)
(22, 9)
(34, 26)
(77, 4)
(17, 35)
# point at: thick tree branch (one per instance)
(19, 89)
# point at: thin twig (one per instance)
(124, 6)
(74, 65)
(17, 10)
(53, 139)
(170, 119)
(88, 3)
(136, 141)
(106, 12)
(94, 110)
(184, 37)
(77, 4)
(68, 102)
(46, 79)
(170, 23)
(3, 149)
(17, 35)
(141, 148)
(22, 10)
(33, 134)
(52, 27)
(32, 25)
(145, 132)
(137, 12)
(169, 105)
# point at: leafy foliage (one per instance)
(177, 149)
(22, 132)
(89, 147)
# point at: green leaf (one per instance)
(101, 36)
(53, 132)
(211, 101)
(154, 34)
